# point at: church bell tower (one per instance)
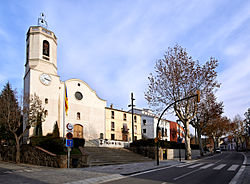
(40, 76)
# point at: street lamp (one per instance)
(132, 105)
(197, 95)
(179, 139)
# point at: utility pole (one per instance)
(132, 106)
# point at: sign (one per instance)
(69, 126)
(69, 135)
(69, 142)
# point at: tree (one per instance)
(217, 127)
(237, 130)
(208, 109)
(247, 126)
(178, 76)
(56, 130)
(11, 114)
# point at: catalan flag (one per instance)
(66, 101)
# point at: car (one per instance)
(218, 150)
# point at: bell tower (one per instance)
(41, 48)
(40, 76)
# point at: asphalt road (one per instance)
(219, 169)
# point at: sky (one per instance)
(113, 45)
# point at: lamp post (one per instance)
(179, 139)
(157, 128)
(132, 106)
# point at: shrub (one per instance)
(54, 145)
(78, 142)
(162, 144)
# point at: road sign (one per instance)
(69, 135)
(69, 142)
(69, 126)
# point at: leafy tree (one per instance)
(11, 114)
(178, 76)
(237, 130)
(217, 127)
(208, 109)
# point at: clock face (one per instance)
(45, 79)
(78, 95)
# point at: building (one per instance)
(175, 131)
(119, 125)
(86, 110)
(149, 123)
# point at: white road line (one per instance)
(239, 173)
(184, 165)
(233, 167)
(206, 166)
(187, 174)
(196, 165)
(219, 167)
(7, 172)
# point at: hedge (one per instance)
(162, 144)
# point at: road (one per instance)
(218, 169)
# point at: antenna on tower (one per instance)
(42, 22)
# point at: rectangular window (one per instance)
(144, 131)
(112, 126)
(112, 115)
(112, 136)
(144, 122)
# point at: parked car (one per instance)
(218, 150)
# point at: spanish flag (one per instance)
(66, 101)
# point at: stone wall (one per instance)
(39, 156)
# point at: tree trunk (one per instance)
(200, 141)
(17, 148)
(188, 155)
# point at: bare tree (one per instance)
(178, 76)
(11, 113)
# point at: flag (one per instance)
(66, 101)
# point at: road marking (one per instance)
(233, 167)
(184, 165)
(196, 165)
(207, 166)
(219, 167)
(239, 173)
(187, 174)
(7, 172)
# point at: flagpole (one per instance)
(64, 112)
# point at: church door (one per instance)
(78, 131)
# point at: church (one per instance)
(86, 110)
(88, 113)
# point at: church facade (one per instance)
(86, 110)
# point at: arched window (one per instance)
(45, 48)
(78, 116)
(124, 117)
(46, 101)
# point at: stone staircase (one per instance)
(109, 156)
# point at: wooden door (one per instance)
(78, 131)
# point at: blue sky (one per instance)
(113, 45)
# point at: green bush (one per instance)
(78, 142)
(162, 144)
(52, 144)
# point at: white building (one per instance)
(149, 123)
(86, 110)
